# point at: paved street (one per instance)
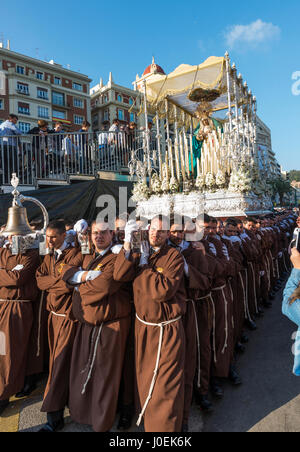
(268, 401)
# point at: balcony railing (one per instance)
(58, 156)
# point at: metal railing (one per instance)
(58, 156)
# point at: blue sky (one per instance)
(97, 37)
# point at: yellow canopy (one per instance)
(188, 86)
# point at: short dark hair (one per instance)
(86, 124)
(57, 225)
(231, 222)
(213, 220)
(13, 116)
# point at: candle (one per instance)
(182, 157)
(177, 159)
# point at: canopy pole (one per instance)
(228, 69)
(191, 147)
(176, 144)
(158, 137)
(147, 134)
(169, 143)
(237, 137)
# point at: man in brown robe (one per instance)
(61, 328)
(160, 302)
(18, 292)
(196, 280)
(101, 307)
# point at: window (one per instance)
(24, 127)
(23, 109)
(57, 81)
(58, 114)
(105, 116)
(130, 101)
(42, 93)
(77, 86)
(40, 75)
(20, 70)
(78, 103)
(120, 98)
(43, 112)
(58, 98)
(78, 120)
(22, 88)
(1, 104)
(121, 115)
(132, 117)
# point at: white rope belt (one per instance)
(247, 296)
(226, 313)
(198, 343)
(209, 296)
(244, 293)
(232, 297)
(161, 326)
(3, 300)
(39, 327)
(58, 315)
(272, 264)
(92, 357)
(254, 285)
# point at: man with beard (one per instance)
(160, 303)
(61, 328)
(196, 280)
(101, 307)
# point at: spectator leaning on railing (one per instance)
(291, 304)
(9, 146)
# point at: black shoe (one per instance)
(272, 295)
(205, 404)
(51, 428)
(239, 348)
(259, 313)
(251, 325)
(216, 388)
(3, 404)
(185, 428)
(26, 391)
(234, 377)
(126, 417)
(244, 339)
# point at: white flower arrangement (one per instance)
(200, 182)
(174, 186)
(140, 191)
(210, 181)
(155, 184)
(240, 182)
(220, 179)
(165, 185)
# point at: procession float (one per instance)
(203, 156)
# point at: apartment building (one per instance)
(112, 101)
(34, 89)
(266, 155)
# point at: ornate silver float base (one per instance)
(219, 204)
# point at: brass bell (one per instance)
(17, 222)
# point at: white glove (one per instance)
(71, 232)
(18, 268)
(262, 273)
(93, 274)
(116, 249)
(280, 254)
(145, 253)
(76, 278)
(81, 226)
(130, 227)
